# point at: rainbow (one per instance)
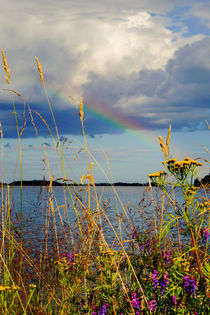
(120, 121)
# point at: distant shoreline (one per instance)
(55, 183)
(205, 181)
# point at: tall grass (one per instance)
(67, 266)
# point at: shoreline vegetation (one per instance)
(86, 256)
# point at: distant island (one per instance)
(204, 181)
(44, 182)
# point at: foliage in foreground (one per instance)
(162, 268)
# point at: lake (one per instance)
(142, 208)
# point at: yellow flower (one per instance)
(194, 188)
(171, 161)
(200, 164)
(186, 162)
(162, 173)
(196, 163)
(154, 174)
(178, 163)
(3, 287)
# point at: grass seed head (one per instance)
(89, 177)
(163, 148)
(168, 137)
(39, 67)
(81, 113)
(6, 68)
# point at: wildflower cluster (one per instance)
(154, 277)
(166, 255)
(161, 282)
(174, 301)
(190, 285)
(164, 281)
(158, 178)
(181, 169)
(101, 311)
(66, 261)
(205, 235)
(135, 301)
(8, 288)
(152, 305)
(204, 205)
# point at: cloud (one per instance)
(66, 120)
(178, 94)
(150, 99)
(87, 37)
(201, 11)
(121, 56)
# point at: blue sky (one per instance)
(138, 66)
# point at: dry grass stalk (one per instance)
(165, 148)
(39, 67)
(6, 68)
(81, 113)
(76, 157)
(6, 79)
(168, 137)
(89, 177)
(91, 167)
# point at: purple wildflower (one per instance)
(64, 255)
(167, 255)
(205, 235)
(163, 282)
(148, 245)
(135, 302)
(195, 311)
(141, 247)
(134, 234)
(154, 277)
(174, 301)
(189, 284)
(71, 258)
(152, 305)
(103, 309)
(94, 312)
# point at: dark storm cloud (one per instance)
(179, 94)
(67, 121)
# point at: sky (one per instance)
(138, 65)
